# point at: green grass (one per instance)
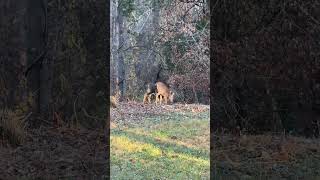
(172, 146)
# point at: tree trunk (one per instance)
(196, 100)
(146, 65)
(38, 69)
(114, 42)
(276, 119)
(46, 70)
(121, 80)
(155, 30)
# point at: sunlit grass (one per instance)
(174, 147)
(124, 144)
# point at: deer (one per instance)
(150, 94)
(163, 93)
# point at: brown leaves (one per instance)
(267, 152)
(57, 152)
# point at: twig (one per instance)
(89, 116)
(308, 14)
(38, 59)
(45, 121)
(26, 117)
(74, 106)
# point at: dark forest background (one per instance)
(54, 61)
(167, 41)
(54, 85)
(265, 66)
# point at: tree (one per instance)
(117, 40)
(39, 68)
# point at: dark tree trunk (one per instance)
(121, 78)
(38, 71)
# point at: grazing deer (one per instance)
(163, 92)
(150, 94)
(148, 98)
(114, 100)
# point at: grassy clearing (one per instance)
(170, 146)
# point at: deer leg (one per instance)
(160, 98)
(157, 99)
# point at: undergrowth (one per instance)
(12, 127)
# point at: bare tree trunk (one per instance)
(114, 41)
(23, 40)
(38, 68)
(196, 100)
(117, 44)
(46, 70)
(155, 30)
(276, 119)
(121, 78)
(13, 53)
(146, 65)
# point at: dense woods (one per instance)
(265, 106)
(54, 61)
(53, 88)
(265, 66)
(78, 44)
(164, 41)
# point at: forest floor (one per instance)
(52, 153)
(172, 142)
(266, 157)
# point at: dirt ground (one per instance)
(136, 111)
(53, 153)
(266, 157)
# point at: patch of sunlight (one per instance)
(125, 144)
(137, 131)
(199, 161)
(160, 134)
(163, 137)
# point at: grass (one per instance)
(172, 146)
(12, 127)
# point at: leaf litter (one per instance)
(56, 153)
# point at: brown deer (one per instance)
(150, 94)
(148, 98)
(114, 100)
(163, 92)
(160, 98)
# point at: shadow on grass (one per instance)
(172, 116)
(169, 146)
